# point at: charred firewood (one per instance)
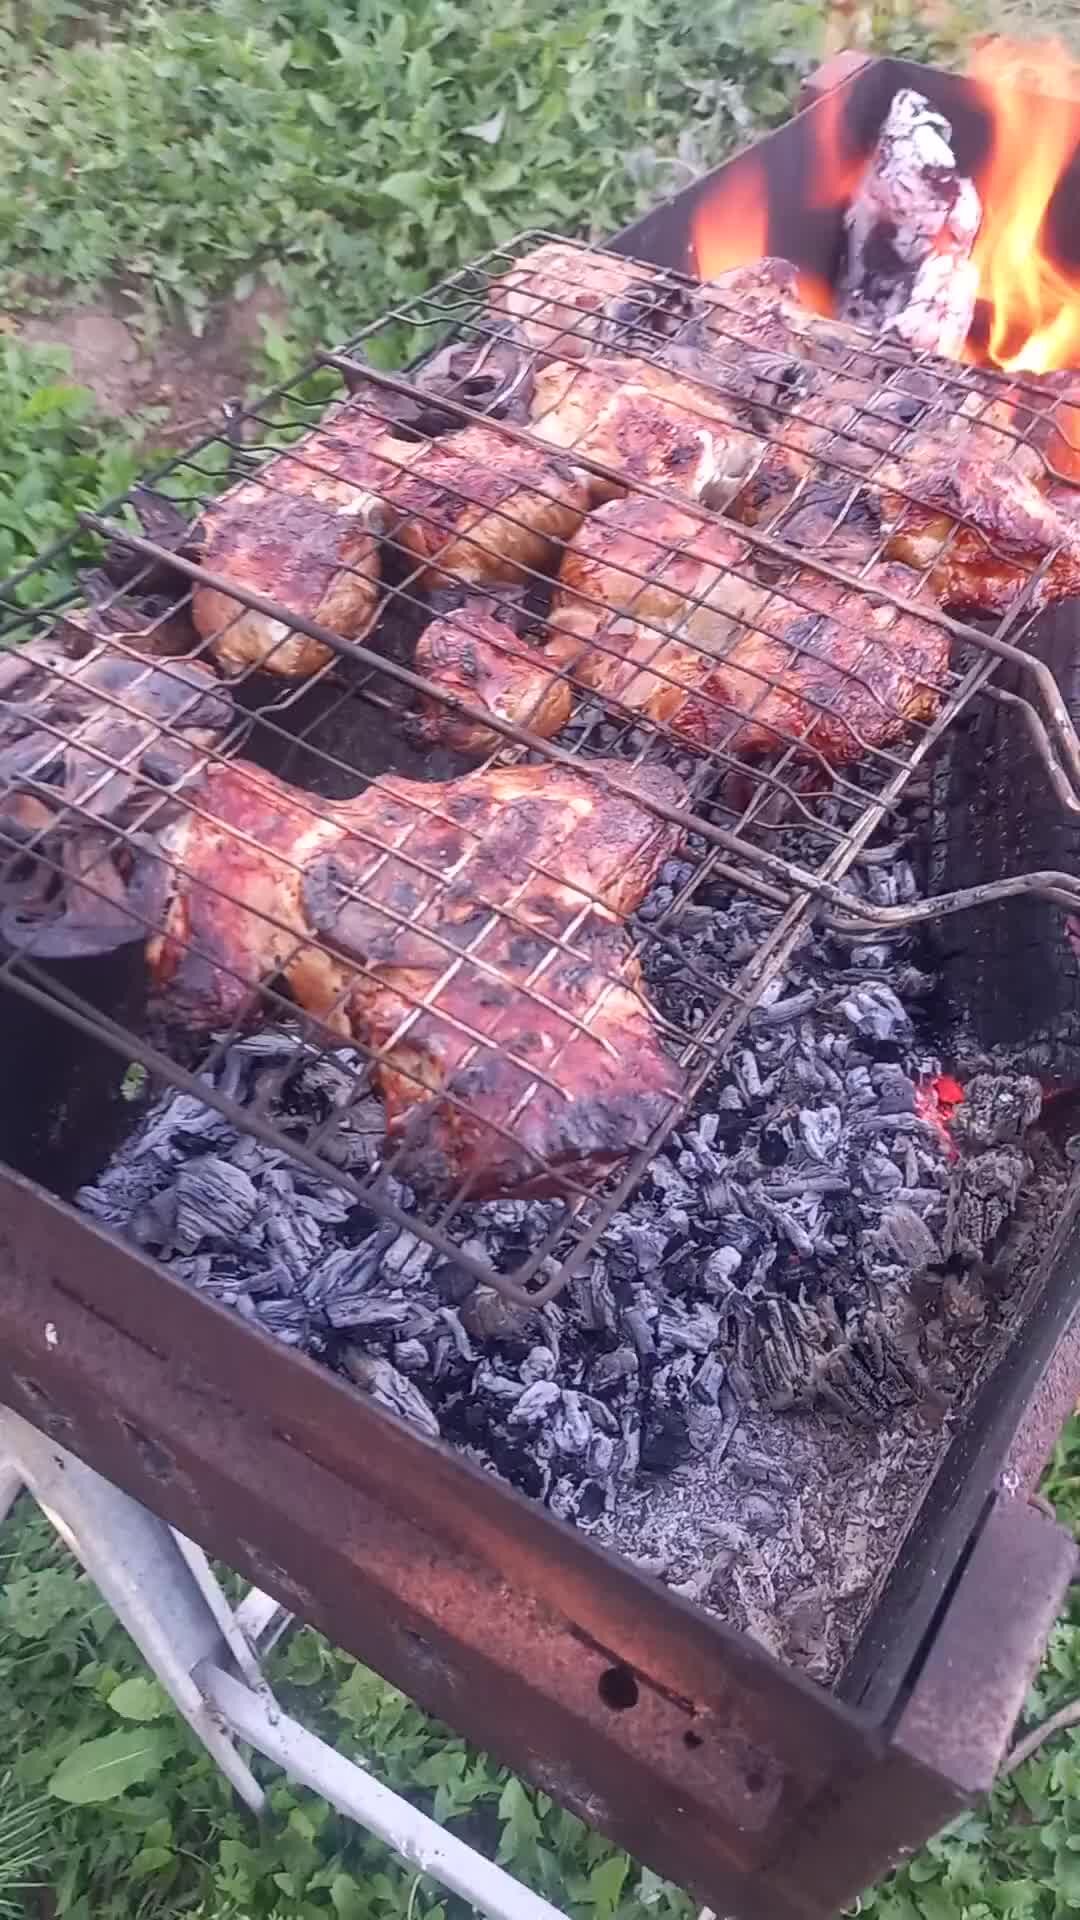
(911, 227)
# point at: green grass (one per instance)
(170, 1840)
(353, 153)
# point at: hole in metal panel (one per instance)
(618, 1689)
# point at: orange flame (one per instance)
(1032, 299)
(731, 224)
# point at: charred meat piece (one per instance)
(663, 611)
(476, 657)
(160, 624)
(303, 532)
(470, 933)
(106, 741)
(559, 296)
(492, 376)
(977, 529)
(480, 507)
(646, 424)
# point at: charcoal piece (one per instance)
(610, 1370)
(407, 1257)
(820, 1129)
(881, 1176)
(295, 1237)
(490, 1383)
(486, 1315)
(638, 1325)
(911, 226)
(344, 1274)
(214, 1201)
(538, 1403)
(410, 1356)
(390, 1389)
(982, 1199)
(963, 1300)
(665, 1441)
(570, 1428)
(875, 1013)
(905, 1238)
(452, 1283)
(996, 1108)
(538, 1364)
(696, 1330)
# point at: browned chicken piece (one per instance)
(475, 657)
(662, 611)
(479, 506)
(469, 933)
(647, 424)
(303, 532)
(557, 296)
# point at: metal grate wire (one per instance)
(112, 754)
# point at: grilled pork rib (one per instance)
(469, 933)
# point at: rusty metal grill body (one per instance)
(716, 1765)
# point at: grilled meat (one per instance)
(558, 296)
(472, 655)
(662, 611)
(480, 507)
(303, 532)
(469, 933)
(646, 424)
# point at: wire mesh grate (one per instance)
(421, 711)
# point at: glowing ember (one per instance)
(936, 1100)
(1033, 297)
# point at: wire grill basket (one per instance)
(422, 712)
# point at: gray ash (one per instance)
(799, 1281)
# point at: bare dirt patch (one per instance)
(184, 383)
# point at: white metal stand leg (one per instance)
(206, 1655)
(136, 1564)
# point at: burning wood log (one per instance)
(911, 227)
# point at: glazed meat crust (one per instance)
(950, 490)
(477, 506)
(471, 933)
(305, 533)
(557, 295)
(647, 424)
(662, 611)
(472, 655)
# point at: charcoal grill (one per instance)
(683, 1740)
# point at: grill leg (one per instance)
(205, 1655)
(136, 1563)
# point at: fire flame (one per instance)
(1028, 316)
(1032, 297)
(731, 229)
